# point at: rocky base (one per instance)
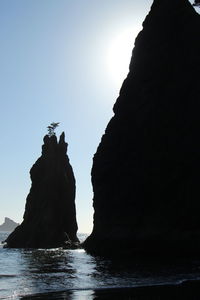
(148, 249)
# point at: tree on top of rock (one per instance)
(51, 128)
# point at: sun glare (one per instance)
(119, 55)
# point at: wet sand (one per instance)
(189, 290)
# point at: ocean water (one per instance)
(74, 274)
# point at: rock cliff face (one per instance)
(145, 172)
(50, 216)
(8, 225)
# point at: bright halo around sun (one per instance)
(119, 55)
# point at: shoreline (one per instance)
(189, 289)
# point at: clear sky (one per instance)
(60, 61)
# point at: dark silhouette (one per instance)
(50, 216)
(145, 172)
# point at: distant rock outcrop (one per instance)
(50, 215)
(8, 225)
(146, 169)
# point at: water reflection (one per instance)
(47, 261)
(74, 275)
(70, 271)
(139, 272)
(57, 270)
(67, 295)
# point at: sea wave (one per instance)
(7, 276)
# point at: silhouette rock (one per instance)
(50, 216)
(8, 225)
(145, 172)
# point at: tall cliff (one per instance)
(50, 215)
(145, 172)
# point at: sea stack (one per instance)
(50, 214)
(145, 172)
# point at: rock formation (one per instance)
(50, 216)
(145, 172)
(8, 225)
